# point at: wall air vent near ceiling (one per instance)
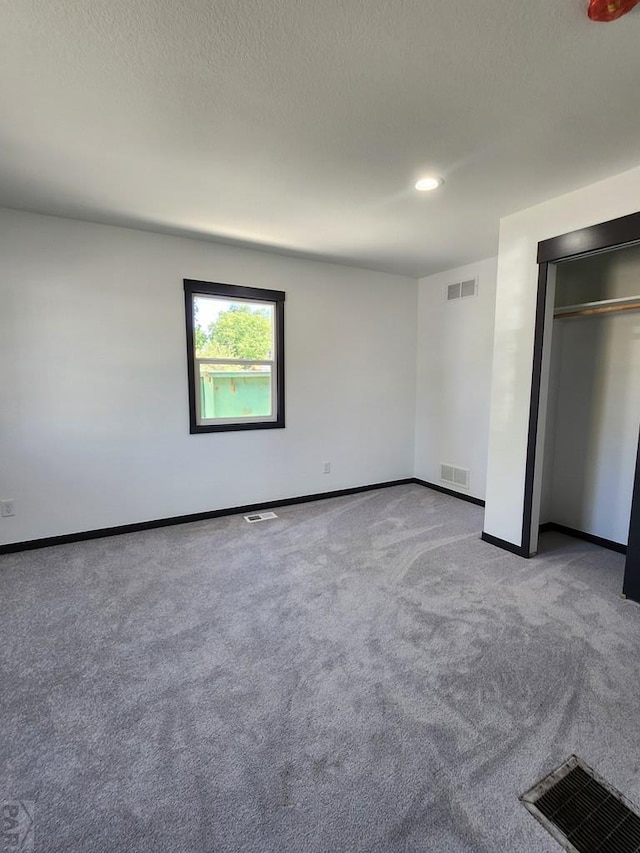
(462, 289)
(456, 476)
(259, 516)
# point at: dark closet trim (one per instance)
(587, 537)
(534, 408)
(585, 241)
(614, 234)
(506, 546)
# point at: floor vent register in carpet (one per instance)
(583, 812)
(259, 516)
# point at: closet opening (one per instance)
(583, 462)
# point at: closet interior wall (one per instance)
(593, 413)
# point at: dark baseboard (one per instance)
(101, 532)
(452, 492)
(588, 537)
(506, 546)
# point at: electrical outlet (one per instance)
(326, 467)
(7, 508)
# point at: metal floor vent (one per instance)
(455, 475)
(259, 516)
(583, 812)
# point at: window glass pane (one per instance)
(231, 328)
(236, 367)
(235, 391)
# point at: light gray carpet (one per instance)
(362, 674)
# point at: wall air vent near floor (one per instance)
(259, 516)
(583, 812)
(455, 476)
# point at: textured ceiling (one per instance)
(302, 126)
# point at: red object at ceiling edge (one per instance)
(609, 10)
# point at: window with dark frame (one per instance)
(235, 356)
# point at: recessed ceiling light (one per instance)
(425, 185)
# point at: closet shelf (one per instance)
(603, 306)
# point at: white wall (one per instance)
(596, 428)
(94, 419)
(455, 345)
(514, 333)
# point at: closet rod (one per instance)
(595, 310)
